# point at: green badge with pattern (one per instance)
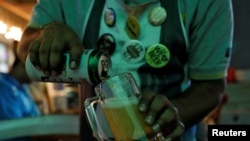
(157, 56)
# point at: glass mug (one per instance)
(113, 114)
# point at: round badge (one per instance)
(107, 43)
(157, 56)
(132, 27)
(133, 51)
(110, 17)
(157, 16)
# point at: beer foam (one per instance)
(119, 101)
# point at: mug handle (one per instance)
(91, 115)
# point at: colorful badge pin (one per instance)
(110, 17)
(107, 43)
(132, 27)
(157, 16)
(157, 56)
(133, 51)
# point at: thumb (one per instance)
(75, 55)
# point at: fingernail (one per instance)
(142, 107)
(156, 128)
(149, 119)
(73, 64)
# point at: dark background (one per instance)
(241, 43)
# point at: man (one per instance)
(178, 51)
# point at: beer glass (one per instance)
(113, 114)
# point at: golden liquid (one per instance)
(124, 119)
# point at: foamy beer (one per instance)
(113, 113)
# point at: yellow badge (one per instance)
(132, 27)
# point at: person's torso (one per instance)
(141, 55)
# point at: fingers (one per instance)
(161, 114)
(56, 59)
(34, 53)
(44, 54)
(169, 124)
(177, 132)
(145, 100)
(166, 120)
(75, 53)
(47, 52)
(157, 105)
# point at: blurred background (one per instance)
(62, 99)
(58, 103)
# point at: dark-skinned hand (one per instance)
(161, 115)
(47, 51)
